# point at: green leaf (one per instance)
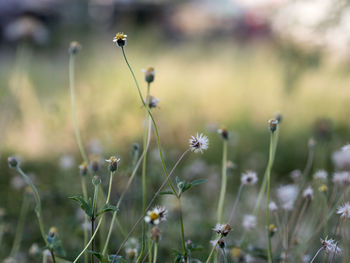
(87, 207)
(166, 193)
(199, 181)
(107, 208)
(118, 259)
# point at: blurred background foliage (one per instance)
(219, 63)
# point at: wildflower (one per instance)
(155, 234)
(74, 48)
(341, 178)
(199, 143)
(13, 162)
(149, 74)
(113, 163)
(330, 247)
(153, 102)
(236, 253)
(272, 229)
(249, 178)
(34, 249)
(272, 206)
(120, 39)
(323, 188)
(287, 195)
(156, 215)
(320, 175)
(224, 133)
(295, 175)
(273, 125)
(52, 231)
(132, 243)
(249, 222)
(83, 169)
(308, 193)
(344, 210)
(131, 253)
(222, 229)
(341, 158)
(221, 243)
(95, 164)
(96, 180)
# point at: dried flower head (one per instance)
(287, 195)
(156, 215)
(224, 133)
(249, 222)
(341, 178)
(83, 169)
(320, 175)
(113, 163)
(344, 210)
(308, 193)
(249, 178)
(330, 247)
(222, 229)
(120, 39)
(74, 48)
(150, 73)
(12, 162)
(153, 102)
(155, 234)
(273, 124)
(199, 143)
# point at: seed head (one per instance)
(222, 229)
(320, 175)
(221, 243)
(308, 193)
(113, 163)
(272, 206)
(74, 48)
(120, 39)
(224, 133)
(153, 102)
(344, 210)
(150, 73)
(155, 234)
(330, 246)
(12, 162)
(249, 178)
(249, 222)
(199, 143)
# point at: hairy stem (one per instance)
(223, 183)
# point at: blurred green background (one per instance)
(227, 63)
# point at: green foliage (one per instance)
(86, 206)
(183, 186)
(107, 208)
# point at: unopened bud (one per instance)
(74, 48)
(12, 161)
(96, 180)
(156, 234)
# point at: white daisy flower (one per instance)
(249, 178)
(344, 210)
(287, 195)
(249, 222)
(321, 175)
(120, 39)
(308, 193)
(157, 215)
(199, 143)
(341, 158)
(341, 178)
(272, 206)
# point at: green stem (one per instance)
(269, 167)
(223, 183)
(74, 114)
(155, 252)
(212, 250)
(153, 121)
(114, 218)
(86, 218)
(93, 219)
(20, 226)
(182, 229)
(52, 256)
(144, 166)
(98, 225)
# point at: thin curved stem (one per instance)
(153, 121)
(151, 202)
(124, 192)
(318, 251)
(182, 229)
(223, 183)
(236, 203)
(212, 250)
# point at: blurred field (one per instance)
(202, 85)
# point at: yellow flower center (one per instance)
(236, 252)
(120, 36)
(272, 227)
(153, 216)
(323, 188)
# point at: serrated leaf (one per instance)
(107, 208)
(199, 181)
(87, 208)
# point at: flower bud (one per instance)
(155, 234)
(13, 162)
(74, 48)
(224, 133)
(83, 169)
(221, 243)
(273, 125)
(113, 163)
(96, 180)
(149, 74)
